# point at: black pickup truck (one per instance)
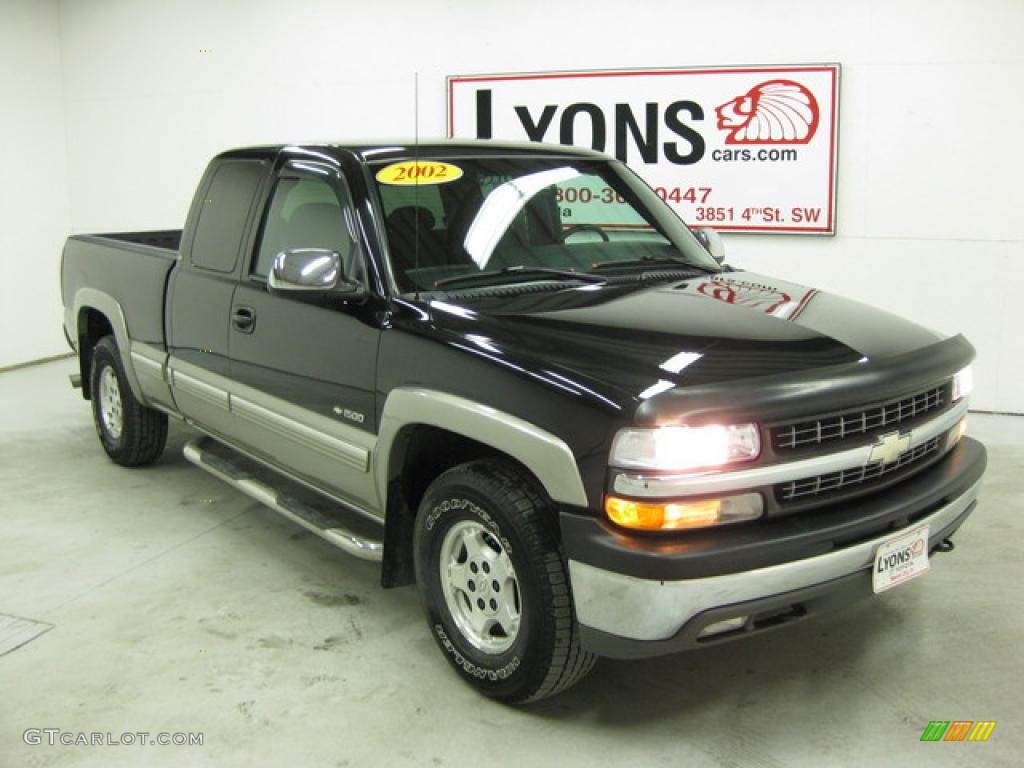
(513, 376)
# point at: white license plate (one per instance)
(900, 559)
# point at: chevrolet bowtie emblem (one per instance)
(888, 448)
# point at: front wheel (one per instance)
(131, 434)
(494, 583)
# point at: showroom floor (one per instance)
(170, 603)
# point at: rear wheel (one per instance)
(494, 583)
(131, 434)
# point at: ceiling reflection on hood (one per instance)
(656, 389)
(676, 363)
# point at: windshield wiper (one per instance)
(646, 261)
(520, 269)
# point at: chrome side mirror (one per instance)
(305, 269)
(712, 242)
(310, 271)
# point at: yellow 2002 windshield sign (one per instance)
(421, 172)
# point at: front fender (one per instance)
(548, 457)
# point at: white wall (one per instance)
(34, 217)
(930, 166)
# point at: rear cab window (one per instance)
(226, 204)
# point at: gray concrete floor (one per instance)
(178, 605)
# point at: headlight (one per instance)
(685, 448)
(963, 383)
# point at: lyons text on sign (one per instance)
(740, 149)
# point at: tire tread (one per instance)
(569, 662)
(144, 430)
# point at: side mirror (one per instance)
(712, 242)
(310, 271)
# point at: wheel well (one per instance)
(93, 325)
(420, 454)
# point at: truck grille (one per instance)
(859, 422)
(843, 479)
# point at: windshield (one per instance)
(467, 216)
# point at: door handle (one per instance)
(244, 319)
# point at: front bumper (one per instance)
(643, 597)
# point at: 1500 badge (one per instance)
(347, 413)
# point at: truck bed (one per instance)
(131, 267)
(168, 239)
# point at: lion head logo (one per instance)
(774, 112)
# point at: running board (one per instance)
(327, 519)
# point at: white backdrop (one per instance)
(34, 217)
(930, 167)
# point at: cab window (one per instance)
(309, 213)
(227, 200)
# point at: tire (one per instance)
(494, 585)
(131, 434)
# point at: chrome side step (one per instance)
(327, 519)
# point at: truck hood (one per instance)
(625, 343)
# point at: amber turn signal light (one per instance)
(682, 515)
(956, 433)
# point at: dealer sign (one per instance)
(740, 149)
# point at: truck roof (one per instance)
(378, 149)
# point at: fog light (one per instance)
(679, 515)
(724, 626)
